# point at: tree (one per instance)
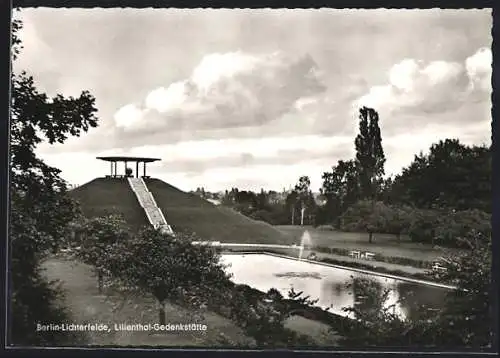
(40, 209)
(304, 196)
(366, 216)
(370, 158)
(466, 318)
(167, 267)
(99, 236)
(451, 175)
(399, 219)
(33, 298)
(291, 203)
(423, 225)
(463, 322)
(456, 225)
(340, 187)
(262, 200)
(263, 316)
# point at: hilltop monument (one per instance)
(142, 200)
(114, 161)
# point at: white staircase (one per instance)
(148, 203)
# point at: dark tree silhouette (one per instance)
(370, 158)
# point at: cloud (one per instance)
(199, 156)
(415, 87)
(227, 90)
(478, 68)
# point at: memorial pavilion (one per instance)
(125, 160)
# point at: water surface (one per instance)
(327, 284)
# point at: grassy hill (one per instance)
(183, 211)
(103, 196)
(186, 211)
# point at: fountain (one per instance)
(305, 240)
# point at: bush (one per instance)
(378, 257)
(446, 228)
(454, 226)
(379, 269)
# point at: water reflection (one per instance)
(334, 288)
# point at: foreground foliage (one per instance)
(464, 320)
(40, 208)
(167, 267)
(95, 240)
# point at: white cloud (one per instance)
(226, 90)
(128, 115)
(414, 86)
(402, 75)
(216, 67)
(164, 99)
(269, 147)
(479, 68)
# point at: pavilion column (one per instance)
(116, 169)
(111, 168)
(125, 163)
(137, 169)
(144, 168)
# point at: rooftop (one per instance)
(128, 159)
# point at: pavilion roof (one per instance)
(128, 159)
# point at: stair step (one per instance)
(146, 199)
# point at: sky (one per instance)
(257, 98)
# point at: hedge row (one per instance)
(424, 264)
(380, 269)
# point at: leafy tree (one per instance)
(399, 218)
(99, 236)
(370, 158)
(340, 188)
(263, 318)
(40, 209)
(291, 203)
(378, 324)
(167, 267)
(366, 216)
(262, 201)
(423, 225)
(450, 175)
(33, 298)
(464, 321)
(456, 225)
(304, 196)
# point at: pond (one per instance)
(328, 284)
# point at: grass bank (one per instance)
(183, 211)
(88, 306)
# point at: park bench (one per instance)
(369, 255)
(437, 267)
(355, 254)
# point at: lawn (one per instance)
(183, 211)
(88, 306)
(102, 196)
(384, 244)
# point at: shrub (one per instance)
(456, 225)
